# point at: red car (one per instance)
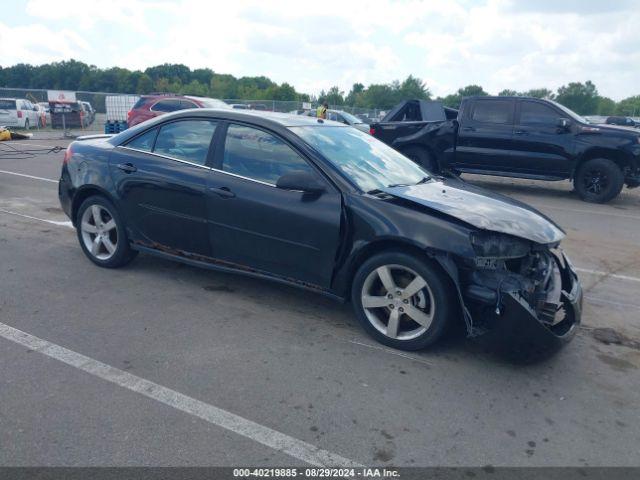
(150, 106)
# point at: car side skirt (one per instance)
(224, 266)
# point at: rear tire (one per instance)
(401, 300)
(102, 234)
(422, 157)
(598, 180)
(26, 124)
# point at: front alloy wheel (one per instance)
(398, 302)
(402, 300)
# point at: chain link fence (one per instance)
(107, 112)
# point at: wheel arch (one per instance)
(619, 157)
(385, 245)
(432, 155)
(85, 192)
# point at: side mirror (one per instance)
(564, 123)
(301, 181)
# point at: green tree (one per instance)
(352, 96)
(629, 106)
(606, 106)
(580, 97)
(454, 100)
(539, 93)
(413, 88)
(508, 93)
(334, 96)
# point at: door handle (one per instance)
(223, 192)
(127, 167)
(521, 132)
(468, 129)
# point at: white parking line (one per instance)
(610, 275)
(28, 176)
(259, 433)
(53, 222)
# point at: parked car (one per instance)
(240, 106)
(89, 112)
(18, 112)
(150, 106)
(343, 117)
(327, 208)
(521, 137)
(622, 121)
(46, 111)
(69, 115)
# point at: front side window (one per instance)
(144, 142)
(258, 155)
(187, 140)
(492, 111)
(533, 113)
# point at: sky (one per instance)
(515, 44)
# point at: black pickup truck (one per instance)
(516, 137)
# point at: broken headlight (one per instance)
(491, 245)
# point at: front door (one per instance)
(254, 224)
(541, 146)
(161, 179)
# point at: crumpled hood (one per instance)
(481, 208)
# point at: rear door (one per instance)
(540, 146)
(254, 224)
(485, 136)
(160, 177)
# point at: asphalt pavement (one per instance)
(159, 363)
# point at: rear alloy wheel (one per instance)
(401, 301)
(598, 180)
(102, 235)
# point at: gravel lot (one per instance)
(290, 363)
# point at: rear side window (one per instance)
(187, 140)
(7, 104)
(166, 106)
(533, 113)
(492, 111)
(144, 142)
(258, 155)
(139, 103)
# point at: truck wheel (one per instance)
(421, 157)
(598, 180)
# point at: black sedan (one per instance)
(325, 207)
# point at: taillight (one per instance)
(19, 113)
(372, 131)
(67, 155)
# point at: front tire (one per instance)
(598, 180)
(102, 234)
(401, 300)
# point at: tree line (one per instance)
(73, 75)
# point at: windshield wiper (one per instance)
(422, 180)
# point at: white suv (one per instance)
(18, 112)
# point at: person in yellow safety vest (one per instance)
(321, 112)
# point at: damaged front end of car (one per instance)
(526, 295)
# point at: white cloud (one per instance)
(497, 43)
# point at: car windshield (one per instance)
(213, 103)
(351, 118)
(570, 112)
(367, 162)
